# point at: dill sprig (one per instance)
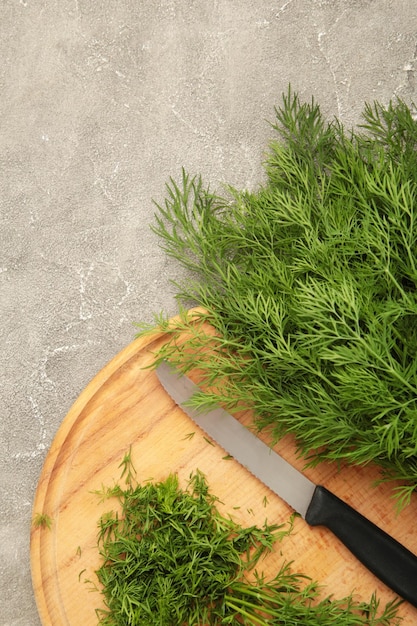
(169, 558)
(310, 283)
(42, 520)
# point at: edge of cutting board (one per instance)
(85, 396)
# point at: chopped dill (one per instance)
(42, 520)
(169, 558)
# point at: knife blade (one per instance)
(383, 555)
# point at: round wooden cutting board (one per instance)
(123, 406)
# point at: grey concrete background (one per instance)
(101, 101)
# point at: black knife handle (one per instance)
(381, 554)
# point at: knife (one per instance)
(385, 557)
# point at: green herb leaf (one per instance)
(42, 520)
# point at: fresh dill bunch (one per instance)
(310, 283)
(169, 558)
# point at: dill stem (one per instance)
(232, 604)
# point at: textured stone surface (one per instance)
(100, 103)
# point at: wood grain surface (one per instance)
(123, 406)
